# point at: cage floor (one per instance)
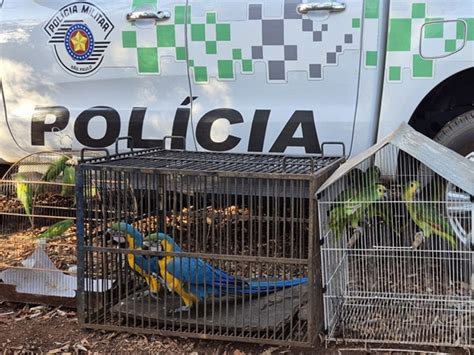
(258, 313)
(423, 322)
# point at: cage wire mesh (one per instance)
(38, 191)
(217, 245)
(37, 226)
(397, 254)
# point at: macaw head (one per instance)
(134, 237)
(167, 243)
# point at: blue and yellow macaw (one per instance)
(195, 280)
(145, 266)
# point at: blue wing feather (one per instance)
(200, 278)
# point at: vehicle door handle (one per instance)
(331, 6)
(148, 15)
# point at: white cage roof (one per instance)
(447, 163)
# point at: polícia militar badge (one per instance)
(78, 33)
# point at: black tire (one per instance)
(3, 169)
(458, 134)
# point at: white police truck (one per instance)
(280, 76)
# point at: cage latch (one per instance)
(105, 150)
(333, 143)
(126, 138)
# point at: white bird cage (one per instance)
(397, 246)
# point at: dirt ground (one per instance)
(40, 329)
(28, 329)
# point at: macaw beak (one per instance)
(152, 243)
(115, 236)
(159, 247)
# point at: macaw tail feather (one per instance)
(262, 287)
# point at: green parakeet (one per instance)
(57, 229)
(24, 194)
(352, 209)
(355, 177)
(426, 217)
(384, 211)
(359, 180)
(56, 168)
(69, 177)
(371, 176)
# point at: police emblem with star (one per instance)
(78, 33)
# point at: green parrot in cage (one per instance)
(426, 217)
(359, 179)
(69, 178)
(24, 194)
(383, 211)
(57, 229)
(351, 211)
(56, 168)
(371, 175)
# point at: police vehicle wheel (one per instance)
(458, 134)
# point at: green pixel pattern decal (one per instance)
(209, 35)
(223, 49)
(443, 36)
(371, 30)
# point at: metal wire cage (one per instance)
(37, 233)
(29, 197)
(242, 263)
(397, 245)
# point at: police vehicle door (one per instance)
(270, 78)
(83, 73)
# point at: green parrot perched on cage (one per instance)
(57, 229)
(56, 168)
(24, 194)
(426, 217)
(359, 179)
(381, 211)
(352, 208)
(371, 175)
(69, 178)
(362, 185)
